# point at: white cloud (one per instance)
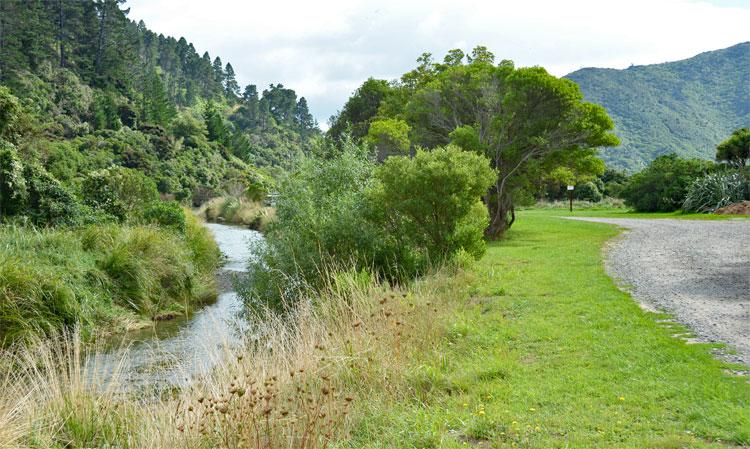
(324, 50)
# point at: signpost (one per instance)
(570, 195)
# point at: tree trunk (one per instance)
(502, 213)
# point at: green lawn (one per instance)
(621, 212)
(548, 353)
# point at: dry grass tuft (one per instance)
(300, 381)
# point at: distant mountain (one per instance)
(686, 107)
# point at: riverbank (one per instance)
(233, 210)
(534, 346)
(103, 278)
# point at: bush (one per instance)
(663, 185)
(167, 214)
(399, 219)
(49, 203)
(588, 191)
(13, 194)
(716, 190)
(320, 221)
(118, 191)
(429, 206)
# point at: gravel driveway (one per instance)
(698, 271)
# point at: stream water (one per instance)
(171, 353)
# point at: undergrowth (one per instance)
(102, 277)
(301, 380)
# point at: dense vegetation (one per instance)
(684, 107)
(98, 90)
(670, 182)
(107, 130)
(394, 221)
(534, 128)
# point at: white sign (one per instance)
(571, 187)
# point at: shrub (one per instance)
(118, 191)
(398, 219)
(320, 221)
(49, 203)
(716, 190)
(588, 191)
(663, 185)
(167, 214)
(13, 192)
(427, 205)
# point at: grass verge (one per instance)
(547, 352)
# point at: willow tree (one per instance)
(523, 119)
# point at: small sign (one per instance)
(571, 187)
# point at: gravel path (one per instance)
(698, 271)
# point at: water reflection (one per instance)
(171, 353)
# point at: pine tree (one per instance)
(218, 70)
(217, 132)
(303, 119)
(231, 88)
(156, 108)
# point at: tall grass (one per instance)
(301, 380)
(103, 276)
(237, 210)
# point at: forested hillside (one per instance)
(686, 107)
(97, 89)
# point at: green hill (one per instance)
(686, 107)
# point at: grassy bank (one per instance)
(237, 211)
(101, 277)
(547, 352)
(532, 347)
(301, 380)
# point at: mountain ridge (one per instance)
(686, 106)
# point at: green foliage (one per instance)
(389, 137)
(49, 203)
(167, 214)
(614, 182)
(99, 275)
(663, 185)
(118, 191)
(359, 110)
(524, 120)
(588, 191)
(736, 149)
(10, 116)
(684, 107)
(13, 191)
(427, 205)
(320, 222)
(716, 190)
(399, 219)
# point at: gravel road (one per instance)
(698, 271)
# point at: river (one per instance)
(172, 353)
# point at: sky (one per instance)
(325, 49)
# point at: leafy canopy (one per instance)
(736, 149)
(524, 120)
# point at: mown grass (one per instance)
(100, 277)
(610, 210)
(548, 353)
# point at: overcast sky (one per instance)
(325, 49)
